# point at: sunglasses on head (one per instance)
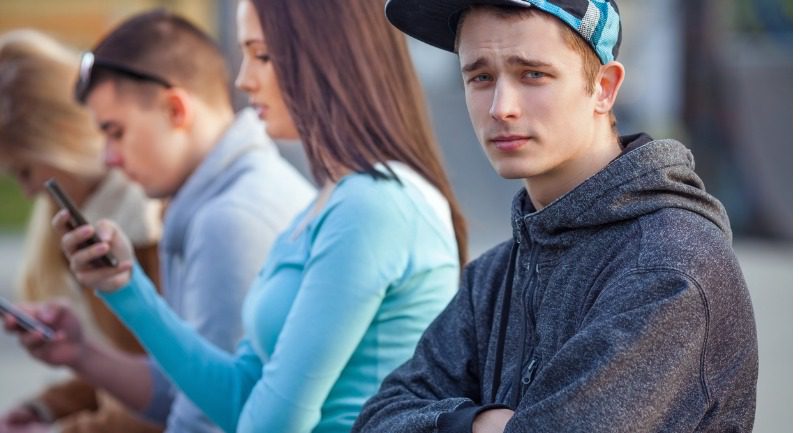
(89, 62)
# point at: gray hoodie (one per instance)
(619, 307)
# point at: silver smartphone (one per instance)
(25, 320)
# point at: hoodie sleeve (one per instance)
(437, 389)
(635, 364)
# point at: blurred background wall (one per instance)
(715, 74)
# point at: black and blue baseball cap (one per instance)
(434, 21)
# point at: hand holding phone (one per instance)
(25, 320)
(77, 220)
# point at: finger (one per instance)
(84, 259)
(28, 308)
(72, 240)
(49, 313)
(60, 222)
(105, 230)
(10, 323)
(32, 340)
(94, 276)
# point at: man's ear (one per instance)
(180, 107)
(609, 80)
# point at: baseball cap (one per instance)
(434, 21)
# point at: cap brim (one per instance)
(434, 21)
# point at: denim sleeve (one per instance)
(161, 396)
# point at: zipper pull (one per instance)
(526, 378)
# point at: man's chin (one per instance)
(510, 172)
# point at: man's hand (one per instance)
(81, 257)
(492, 421)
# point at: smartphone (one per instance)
(25, 320)
(76, 220)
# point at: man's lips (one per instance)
(509, 143)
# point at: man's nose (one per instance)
(505, 104)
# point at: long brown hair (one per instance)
(349, 84)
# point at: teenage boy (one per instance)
(158, 89)
(618, 305)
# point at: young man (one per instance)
(158, 89)
(618, 305)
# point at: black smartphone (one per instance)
(76, 220)
(25, 320)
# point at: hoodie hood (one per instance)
(230, 157)
(643, 180)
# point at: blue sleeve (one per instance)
(200, 369)
(359, 246)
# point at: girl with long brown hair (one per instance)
(350, 286)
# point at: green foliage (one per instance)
(14, 207)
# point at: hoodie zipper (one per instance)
(527, 373)
(528, 376)
(530, 361)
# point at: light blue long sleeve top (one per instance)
(340, 302)
(218, 230)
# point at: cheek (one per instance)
(271, 89)
(140, 152)
(571, 109)
(41, 174)
(479, 105)
(280, 124)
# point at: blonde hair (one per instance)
(41, 123)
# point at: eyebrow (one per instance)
(513, 60)
(531, 63)
(469, 67)
(251, 42)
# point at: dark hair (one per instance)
(349, 84)
(165, 45)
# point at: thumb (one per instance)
(105, 230)
(48, 313)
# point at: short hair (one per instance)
(589, 59)
(168, 46)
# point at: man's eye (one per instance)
(480, 78)
(533, 74)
